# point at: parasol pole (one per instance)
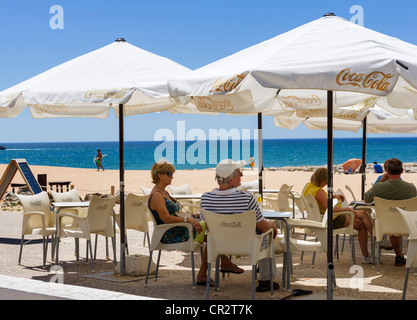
(122, 190)
(363, 156)
(330, 265)
(260, 158)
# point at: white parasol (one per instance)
(348, 67)
(120, 76)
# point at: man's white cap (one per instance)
(227, 166)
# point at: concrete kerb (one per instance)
(13, 288)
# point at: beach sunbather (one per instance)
(378, 168)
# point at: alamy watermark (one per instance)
(358, 17)
(57, 20)
(357, 281)
(58, 276)
(205, 149)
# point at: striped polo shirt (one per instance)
(230, 201)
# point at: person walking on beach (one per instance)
(98, 160)
(251, 162)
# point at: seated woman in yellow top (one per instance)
(361, 221)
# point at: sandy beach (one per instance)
(175, 266)
(93, 181)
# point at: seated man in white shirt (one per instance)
(227, 200)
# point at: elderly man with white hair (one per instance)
(226, 199)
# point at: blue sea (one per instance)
(140, 155)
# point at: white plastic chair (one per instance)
(312, 208)
(190, 206)
(410, 219)
(320, 231)
(281, 203)
(300, 205)
(349, 230)
(184, 189)
(146, 191)
(156, 244)
(318, 228)
(99, 221)
(313, 214)
(136, 215)
(248, 185)
(69, 196)
(351, 192)
(304, 188)
(234, 234)
(388, 220)
(38, 219)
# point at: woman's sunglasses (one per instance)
(169, 174)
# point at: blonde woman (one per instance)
(361, 221)
(165, 208)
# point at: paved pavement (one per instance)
(9, 294)
(13, 288)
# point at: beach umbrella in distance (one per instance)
(342, 63)
(118, 76)
(351, 165)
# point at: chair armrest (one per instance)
(355, 204)
(315, 227)
(368, 209)
(270, 241)
(262, 235)
(191, 205)
(81, 223)
(303, 223)
(28, 215)
(344, 213)
(167, 226)
(70, 215)
(78, 219)
(33, 213)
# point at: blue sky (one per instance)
(190, 32)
